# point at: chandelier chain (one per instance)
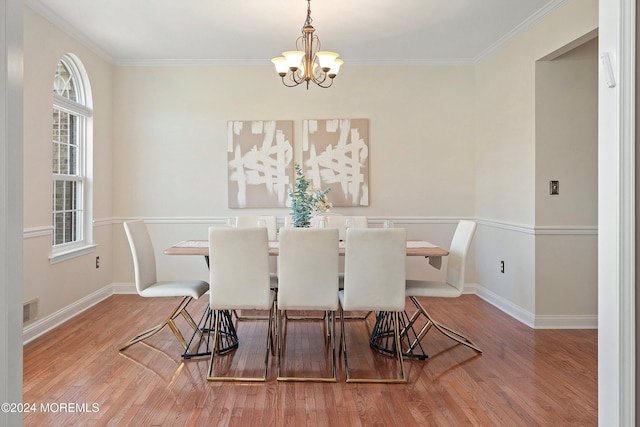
(308, 20)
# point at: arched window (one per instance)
(71, 213)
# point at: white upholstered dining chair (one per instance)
(341, 222)
(308, 280)
(239, 279)
(147, 285)
(374, 280)
(451, 288)
(271, 224)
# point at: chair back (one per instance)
(308, 269)
(252, 221)
(271, 222)
(239, 268)
(340, 222)
(144, 258)
(458, 253)
(374, 269)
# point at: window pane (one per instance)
(58, 196)
(63, 126)
(70, 226)
(63, 83)
(73, 145)
(70, 191)
(58, 228)
(56, 158)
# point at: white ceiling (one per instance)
(254, 31)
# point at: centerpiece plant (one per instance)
(306, 201)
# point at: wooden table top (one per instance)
(201, 247)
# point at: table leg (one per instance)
(382, 336)
(200, 343)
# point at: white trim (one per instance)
(72, 31)
(520, 228)
(616, 216)
(577, 321)
(72, 107)
(44, 325)
(546, 10)
(124, 289)
(399, 62)
(506, 306)
(103, 222)
(60, 256)
(541, 321)
(35, 232)
(572, 231)
(47, 230)
(11, 205)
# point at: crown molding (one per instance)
(267, 62)
(524, 26)
(69, 29)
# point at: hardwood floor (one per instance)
(524, 377)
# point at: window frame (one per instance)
(83, 113)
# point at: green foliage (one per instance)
(304, 201)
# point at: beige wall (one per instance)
(567, 150)
(170, 138)
(446, 142)
(60, 285)
(506, 159)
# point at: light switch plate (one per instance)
(554, 187)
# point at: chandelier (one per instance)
(308, 63)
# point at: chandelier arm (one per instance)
(318, 80)
(327, 86)
(284, 82)
(295, 77)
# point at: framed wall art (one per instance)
(259, 158)
(335, 155)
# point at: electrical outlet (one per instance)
(501, 266)
(97, 262)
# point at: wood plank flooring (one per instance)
(524, 377)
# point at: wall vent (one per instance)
(30, 311)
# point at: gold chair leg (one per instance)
(402, 375)
(280, 340)
(244, 317)
(216, 335)
(180, 309)
(364, 317)
(456, 336)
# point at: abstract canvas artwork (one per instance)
(335, 155)
(260, 156)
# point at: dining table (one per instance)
(381, 337)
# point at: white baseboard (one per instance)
(124, 288)
(584, 321)
(506, 306)
(578, 321)
(41, 326)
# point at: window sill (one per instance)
(71, 253)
